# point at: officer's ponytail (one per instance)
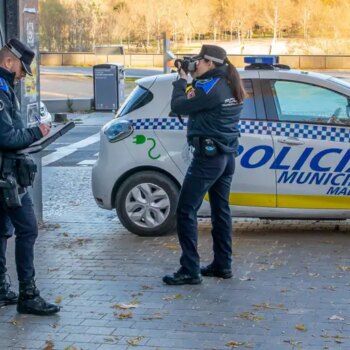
(235, 82)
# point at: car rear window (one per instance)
(139, 97)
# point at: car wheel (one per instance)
(146, 203)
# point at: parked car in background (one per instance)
(294, 154)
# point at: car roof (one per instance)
(281, 74)
(172, 76)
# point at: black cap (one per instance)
(212, 53)
(22, 52)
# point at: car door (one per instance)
(309, 124)
(254, 184)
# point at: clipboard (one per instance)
(55, 132)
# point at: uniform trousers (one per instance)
(23, 222)
(212, 175)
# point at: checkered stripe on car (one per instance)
(159, 124)
(307, 131)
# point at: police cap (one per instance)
(22, 52)
(212, 53)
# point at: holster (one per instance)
(16, 173)
(204, 146)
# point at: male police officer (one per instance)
(15, 60)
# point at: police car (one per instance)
(294, 154)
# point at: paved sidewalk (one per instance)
(290, 290)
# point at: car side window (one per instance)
(301, 102)
(249, 109)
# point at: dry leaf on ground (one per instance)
(292, 342)
(336, 318)
(125, 315)
(251, 316)
(58, 299)
(156, 316)
(135, 341)
(173, 297)
(270, 306)
(49, 345)
(300, 327)
(233, 344)
(122, 306)
(343, 268)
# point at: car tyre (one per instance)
(146, 204)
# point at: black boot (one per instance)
(7, 296)
(30, 301)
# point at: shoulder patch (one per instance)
(206, 84)
(3, 85)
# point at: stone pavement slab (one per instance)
(291, 285)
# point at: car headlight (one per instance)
(117, 130)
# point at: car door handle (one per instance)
(292, 141)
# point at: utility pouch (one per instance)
(21, 167)
(25, 171)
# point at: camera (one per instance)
(187, 64)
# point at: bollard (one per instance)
(60, 118)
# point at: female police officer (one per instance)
(214, 103)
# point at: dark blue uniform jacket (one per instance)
(213, 111)
(13, 134)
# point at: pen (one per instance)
(37, 118)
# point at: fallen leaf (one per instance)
(284, 290)
(172, 247)
(173, 297)
(49, 345)
(336, 318)
(146, 287)
(58, 299)
(124, 306)
(234, 344)
(270, 306)
(13, 322)
(65, 234)
(250, 316)
(125, 315)
(108, 340)
(52, 269)
(344, 268)
(339, 341)
(135, 341)
(156, 316)
(247, 278)
(314, 274)
(54, 325)
(292, 342)
(300, 327)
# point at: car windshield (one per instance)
(139, 97)
(340, 82)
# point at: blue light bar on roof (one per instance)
(261, 59)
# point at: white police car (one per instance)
(294, 157)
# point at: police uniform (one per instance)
(18, 219)
(213, 132)
(14, 136)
